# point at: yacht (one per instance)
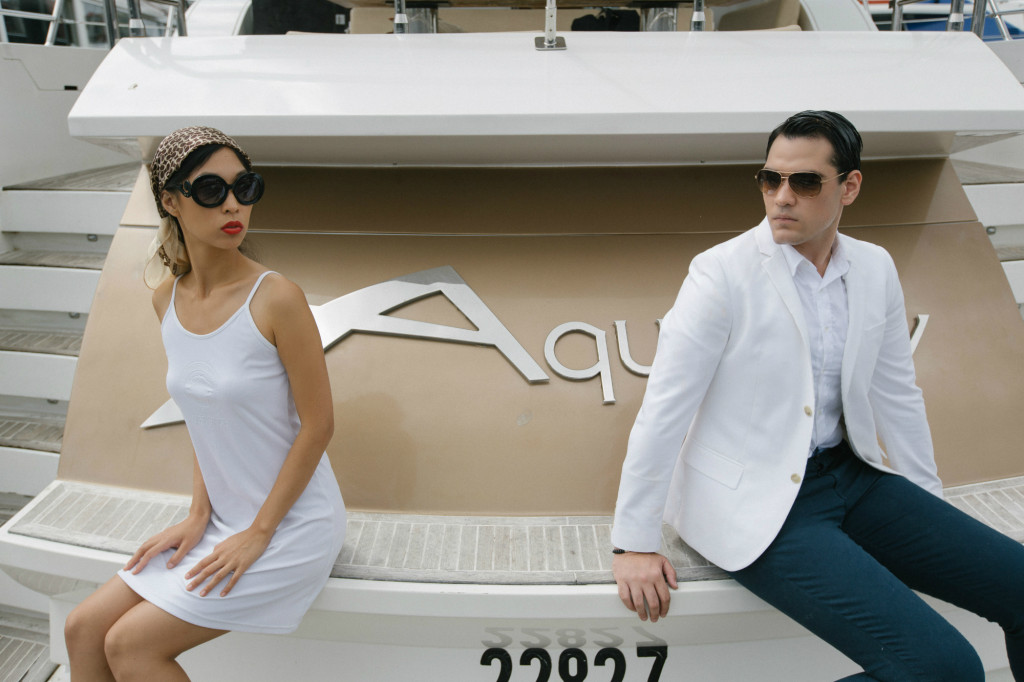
(489, 211)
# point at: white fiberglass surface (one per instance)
(459, 86)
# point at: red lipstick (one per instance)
(234, 227)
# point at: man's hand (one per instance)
(644, 577)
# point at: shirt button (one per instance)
(795, 478)
(807, 410)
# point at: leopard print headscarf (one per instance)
(175, 148)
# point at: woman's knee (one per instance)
(118, 646)
(80, 631)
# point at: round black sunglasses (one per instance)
(210, 191)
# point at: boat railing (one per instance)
(53, 18)
(981, 10)
(1000, 14)
(956, 15)
(173, 22)
(135, 25)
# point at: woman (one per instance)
(246, 367)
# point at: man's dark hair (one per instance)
(844, 138)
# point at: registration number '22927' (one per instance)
(571, 663)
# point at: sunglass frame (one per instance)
(188, 189)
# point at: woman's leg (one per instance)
(87, 625)
(144, 643)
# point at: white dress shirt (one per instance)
(827, 317)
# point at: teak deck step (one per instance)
(24, 649)
(437, 549)
(1010, 253)
(119, 178)
(49, 341)
(54, 259)
(32, 432)
(975, 173)
(11, 504)
(89, 202)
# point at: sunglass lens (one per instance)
(248, 188)
(209, 191)
(805, 184)
(768, 180)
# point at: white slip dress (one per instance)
(238, 407)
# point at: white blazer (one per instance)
(719, 447)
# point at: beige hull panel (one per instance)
(435, 427)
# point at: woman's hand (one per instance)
(233, 556)
(184, 536)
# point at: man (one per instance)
(783, 361)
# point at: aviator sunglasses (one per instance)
(804, 184)
(210, 191)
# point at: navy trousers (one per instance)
(856, 545)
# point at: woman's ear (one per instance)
(169, 202)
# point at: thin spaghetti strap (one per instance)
(256, 286)
(170, 306)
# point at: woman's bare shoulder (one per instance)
(280, 304)
(162, 297)
(279, 293)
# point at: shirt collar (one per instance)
(838, 265)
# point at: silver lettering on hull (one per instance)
(367, 311)
(920, 322)
(602, 367)
(627, 358)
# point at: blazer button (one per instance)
(808, 411)
(795, 478)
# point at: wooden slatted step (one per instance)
(54, 259)
(41, 341)
(24, 649)
(43, 432)
(68, 290)
(88, 202)
(436, 549)
(11, 504)
(1010, 253)
(109, 179)
(974, 173)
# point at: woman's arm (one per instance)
(283, 315)
(186, 534)
(162, 297)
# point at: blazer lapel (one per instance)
(855, 301)
(775, 265)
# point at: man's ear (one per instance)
(170, 203)
(851, 186)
